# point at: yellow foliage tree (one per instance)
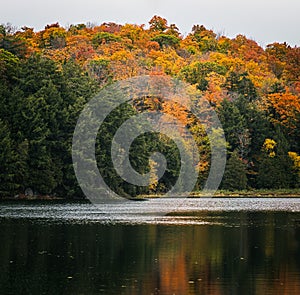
(269, 146)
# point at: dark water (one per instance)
(231, 246)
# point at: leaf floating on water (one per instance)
(42, 252)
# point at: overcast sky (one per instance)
(265, 21)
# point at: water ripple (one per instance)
(154, 211)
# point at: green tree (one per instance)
(275, 168)
(104, 37)
(241, 84)
(197, 73)
(12, 42)
(234, 124)
(235, 177)
(275, 173)
(165, 40)
(7, 157)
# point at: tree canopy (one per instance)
(47, 77)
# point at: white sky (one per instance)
(265, 21)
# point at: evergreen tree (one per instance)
(235, 177)
(241, 84)
(275, 173)
(7, 157)
(233, 123)
(275, 169)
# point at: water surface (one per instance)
(204, 246)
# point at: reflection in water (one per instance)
(230, 253)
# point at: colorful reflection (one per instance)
(235, 253)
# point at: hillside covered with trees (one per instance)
(47, 77)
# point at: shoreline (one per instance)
(281, 193)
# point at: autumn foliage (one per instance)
(255, 90)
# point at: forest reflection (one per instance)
(249, 253)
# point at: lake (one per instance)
(202, 246)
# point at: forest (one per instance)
(47, 77)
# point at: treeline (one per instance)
(47, 77)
